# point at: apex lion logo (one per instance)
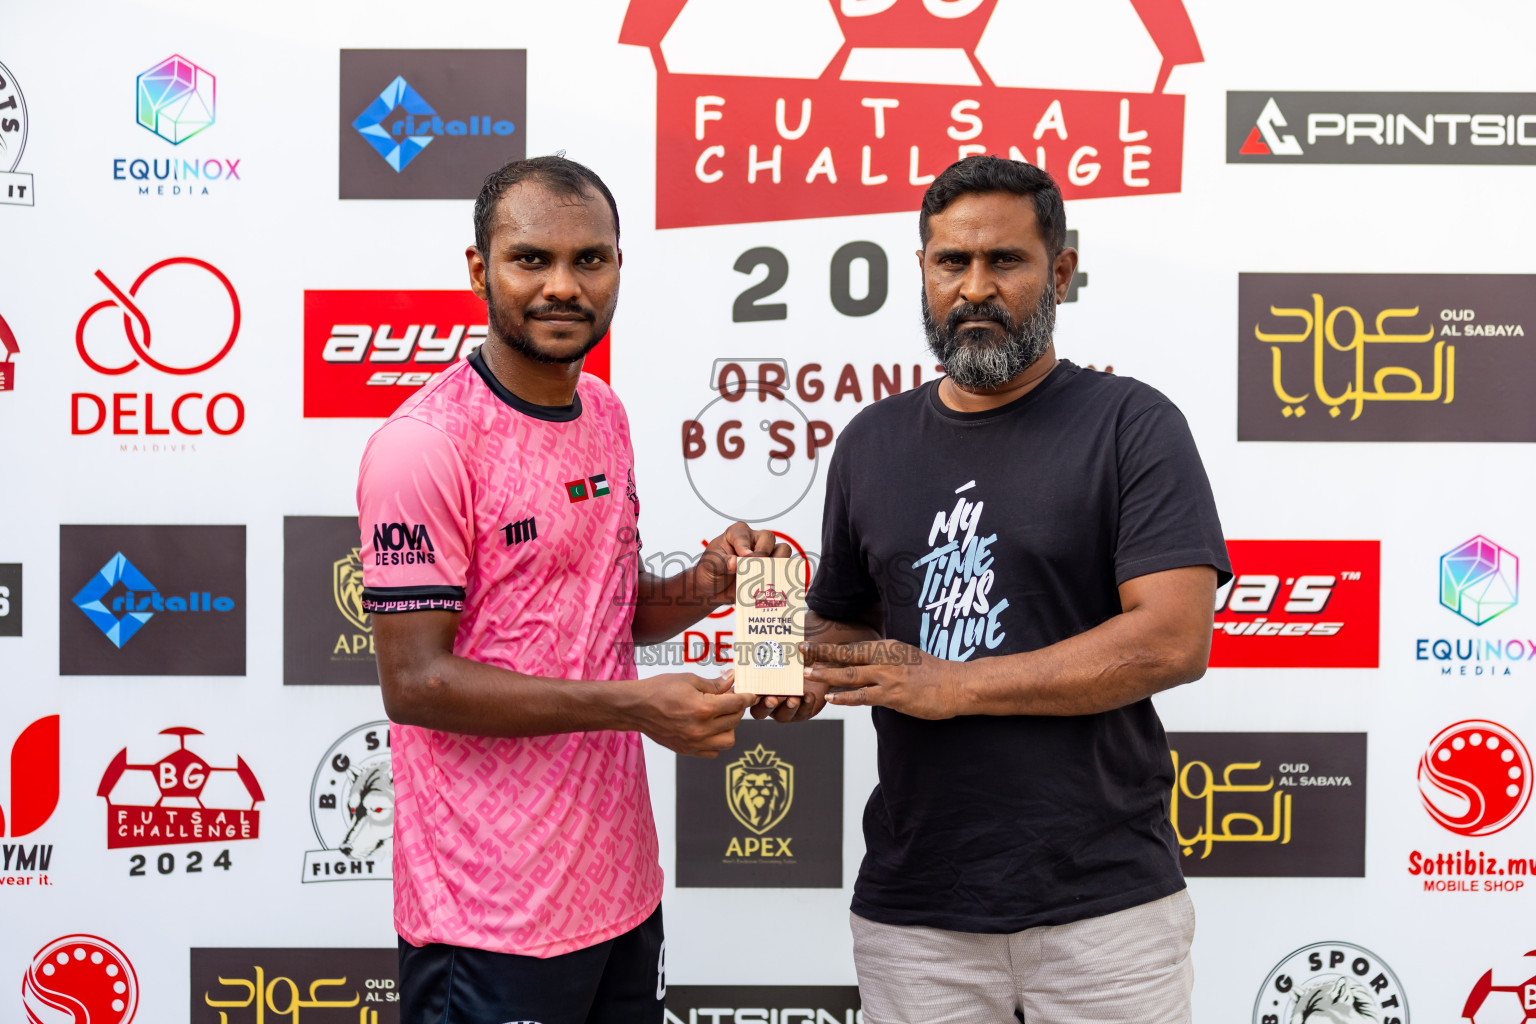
(347, 589)
(759, 789)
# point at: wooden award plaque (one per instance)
(770, 623)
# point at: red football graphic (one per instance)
(1475, 777)
(80, 979)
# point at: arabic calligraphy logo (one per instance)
(347, 588)
(132, 313)
(1322, 328)
(262, 994)
(1331, 983)
(759, 789)
(1475, 778)
(176, 99)
(1206, 789)
(80, 979)
(1265, 140)
(1479, 580)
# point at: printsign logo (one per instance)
(1300, 604)
(1385, 357)
(152, 600)
(763, 834)
(352, 808)
(1338, 982)
(1475, 778)
(1267, 805)
(426, 124)
(82, 978)
(15, 186)
(877, 98)
(196, 802)
(728, 1004)
(1381, 128)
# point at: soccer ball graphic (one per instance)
(1501, 1004)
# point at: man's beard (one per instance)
(521, 342)
(983, 363)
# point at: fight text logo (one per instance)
(1385, 357)
(743, 823)
(15, 186)
(428, 124)
(352, 808)
(765, 114)
(1299, 604)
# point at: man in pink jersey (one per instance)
(501, 561)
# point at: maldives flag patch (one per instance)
(599, 485)
(576, 490)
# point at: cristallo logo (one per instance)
(784, 111)
(759, 789)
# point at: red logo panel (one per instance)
(365, 352)
(1300, 604)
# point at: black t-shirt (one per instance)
(992, 533)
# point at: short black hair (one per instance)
(977, 174)
(561, 176)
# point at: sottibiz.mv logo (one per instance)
(772, 112)
(80, 979)
(1300, 604)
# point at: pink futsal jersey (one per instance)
(523, 518)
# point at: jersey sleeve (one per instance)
(842, 587)
(415, 512)
(1168, 515)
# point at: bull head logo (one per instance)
(759, 787)
(347, 588)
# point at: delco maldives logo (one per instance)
(176, 100)
(185, 811)
(1475, 778)
(80, 979)
(878, 96)
(1300, 604)
(119, 600)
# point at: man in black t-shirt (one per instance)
(1015, 558)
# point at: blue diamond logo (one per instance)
(117, 570)
(370, 123)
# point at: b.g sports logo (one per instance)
(1300, 604)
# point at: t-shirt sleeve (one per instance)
(842, 587)
(414, 511)
(1167, 513)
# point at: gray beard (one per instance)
(984, 364)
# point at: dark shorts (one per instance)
(621, 981)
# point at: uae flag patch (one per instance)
(576, 490)
(599, 485)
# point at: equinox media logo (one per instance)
(1479, 580)
(176, 99)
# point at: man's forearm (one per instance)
(842, 631)
(1118, 662)
(454, 694)
(664, 607)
